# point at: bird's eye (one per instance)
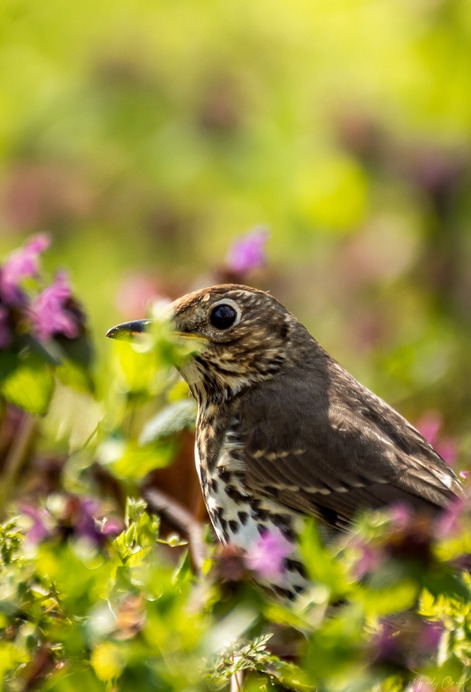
(223, 316)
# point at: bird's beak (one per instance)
(129, 329)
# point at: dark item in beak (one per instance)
(128, 329)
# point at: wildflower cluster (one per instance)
(111, 607)
(52, 312)
(91, 599)
(65, 515)
(38, 323)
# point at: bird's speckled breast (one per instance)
(239, 516)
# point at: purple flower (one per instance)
(401, 515)
(82, 514)
(369, 558)
(420, 685)
(51, 311)
(248, 251)
(449, 521)
(406, 639)
(431, 636)
(40, 523)
(5, 333)
(267, 555)
(111, 527)
(73, 517)
(21, 264)
(386, 644)
(136, 293)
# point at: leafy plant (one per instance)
(95, 592)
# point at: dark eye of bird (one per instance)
(223, 316)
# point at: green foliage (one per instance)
(30, 384)
(123, 612)
(177, 416)
(145, 136)
(88, 599)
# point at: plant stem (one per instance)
(182, 520)
(16, 457)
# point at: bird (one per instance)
(284, 432)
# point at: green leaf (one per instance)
(170, 420)
(80, 350)
(393, 599)
(322, 565)
(107, 661)
(131, 462)
(30, 385)
(10, 656)
(49, 352)
(8, 362)
(75, 376)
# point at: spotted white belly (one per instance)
(242, 520)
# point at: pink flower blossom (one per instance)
(368, 560)
(420, 685)
(401, 515)
(41, 523)
(111, 527)
(81, 513)
(267, 555)
(136, 293)
(431, 636)
(76, 517)
(406, 641)
(248, 251)
(448, 521)
(21, 264)
(51, 313)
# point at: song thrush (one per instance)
(284, 431)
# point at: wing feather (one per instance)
(323, 444)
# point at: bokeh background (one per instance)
(145, 136)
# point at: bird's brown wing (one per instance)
(322, 444)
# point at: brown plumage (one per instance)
(283, 430)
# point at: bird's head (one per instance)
(244, 336)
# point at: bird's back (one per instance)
(323, 444)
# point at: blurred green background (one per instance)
(146, 135)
